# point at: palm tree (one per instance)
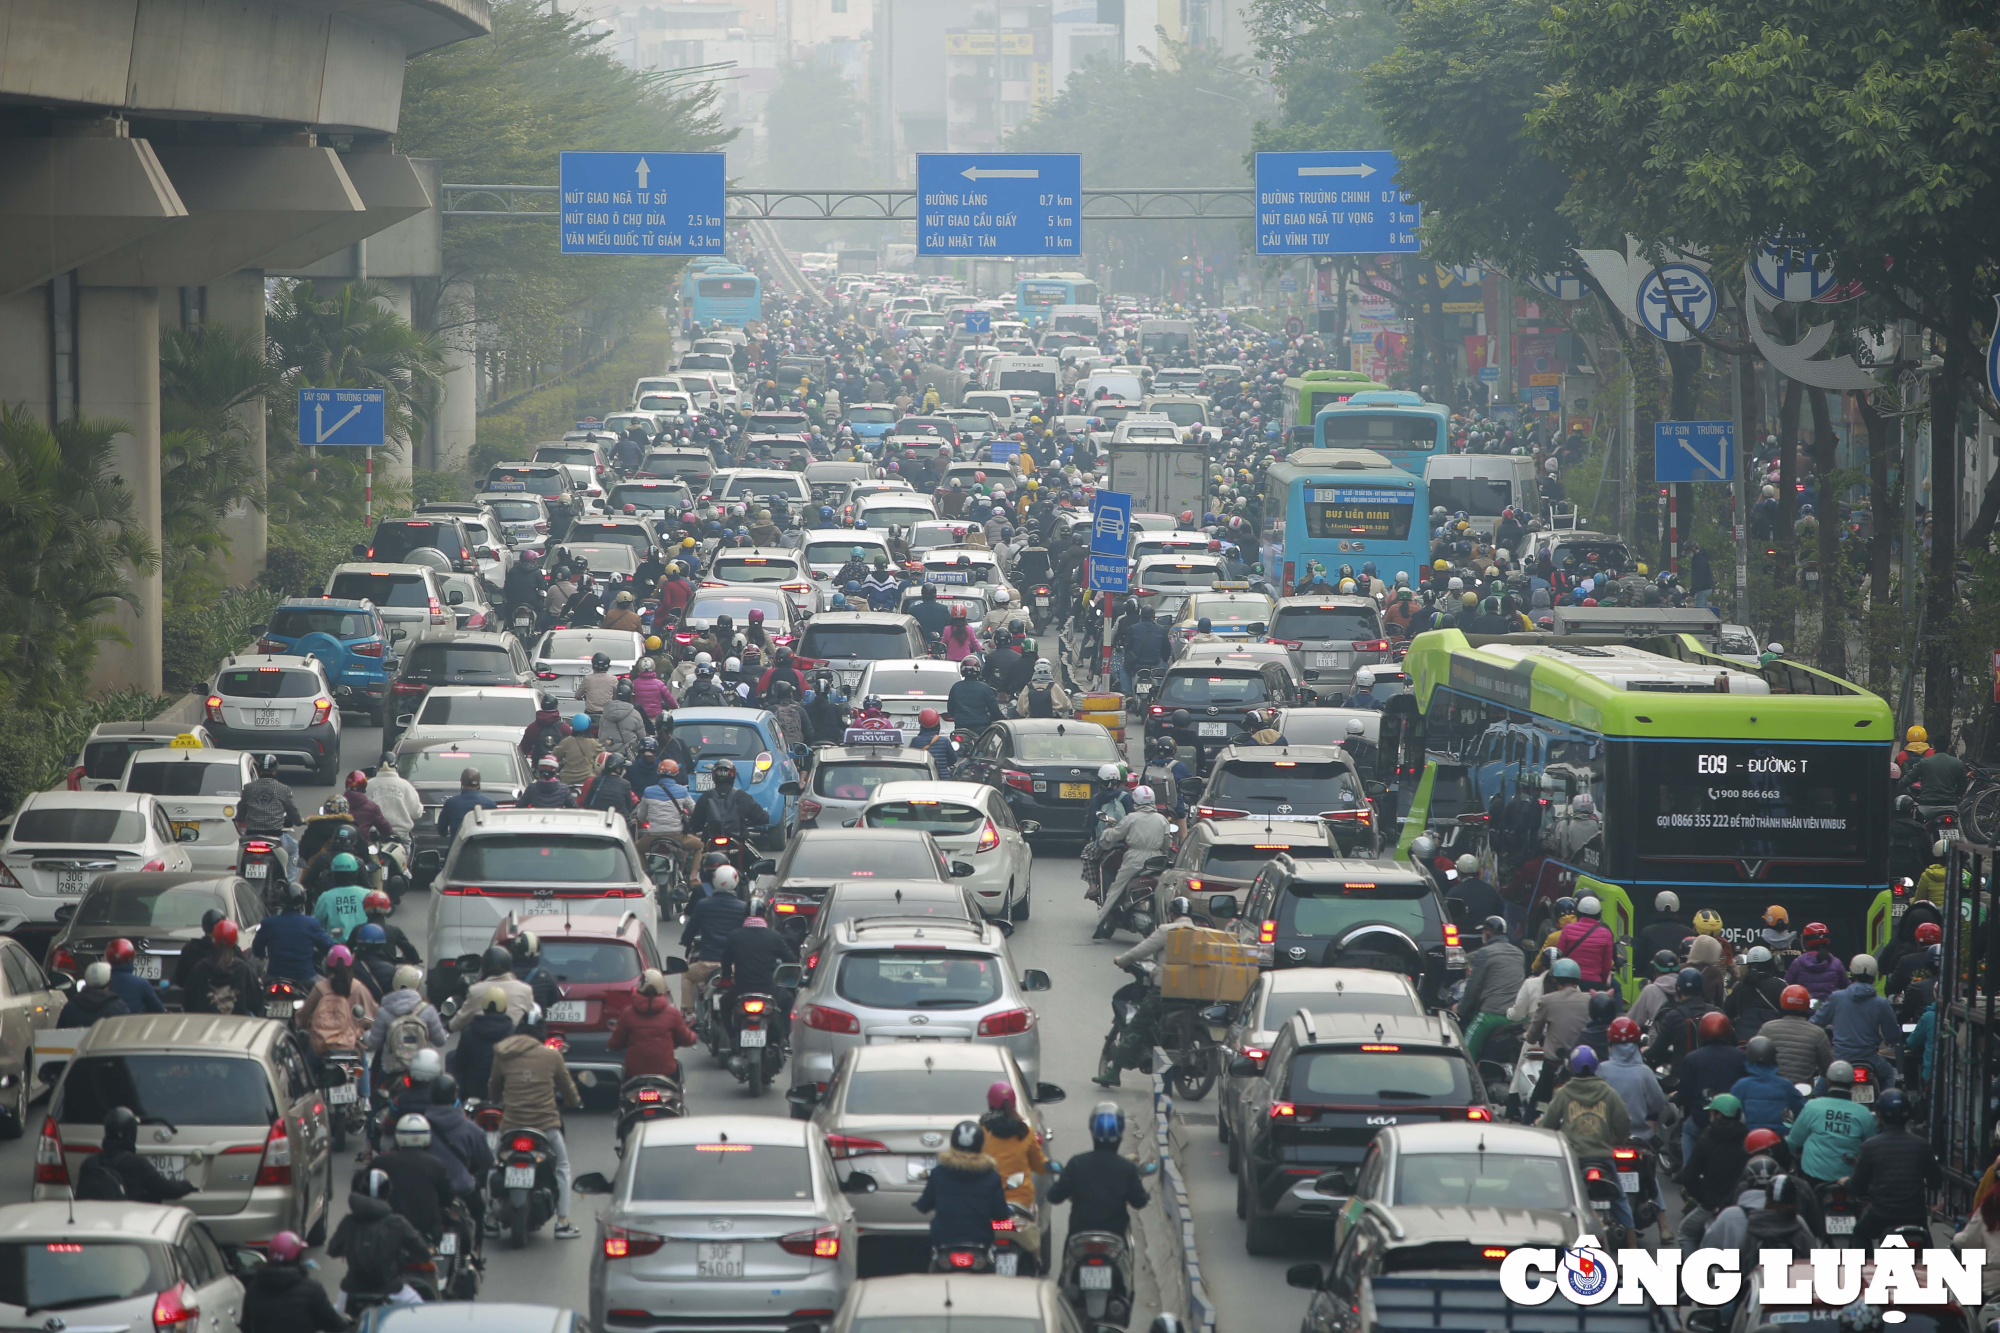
(70, 540)
(352, 339)
(208, 465)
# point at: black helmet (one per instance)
(209, 918)
(623, 690)
(1893, 1107)
(724, 773)
(1782, 1189)
(295, 896)
(1180, 906)
(549, 702)
(121, 1129)
(758, 907)
(1665, 961)
(1688, 982)
(967, 1136)
(615, 764)
(711, 860)
(1761, 1170)
(345, 837)
(781, 690)
(495, 962)
(444, 1090)
(267, 765)
(600, 661)
(376, 1185)
(1496, 925)
(1603, 1007)
(969, 669)
(1566, 907)
(1764, 1051)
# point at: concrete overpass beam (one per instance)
(390, 190)
(68, 201)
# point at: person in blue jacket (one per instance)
(1769, 1098)
(139, 994)
(1828, 1134)
(291, 943)
(1861, 1023)
(964, 1194)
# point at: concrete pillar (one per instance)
(119, 374)
(238, 301)
(458, 416)
(24, 350)
(398, 461)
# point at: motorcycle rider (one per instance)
(531, 1085)
(118, 1171)
(576, 754)
(548, 791)
(1804, 1050)
(964, 1193)
(327, 1017)
(1137, 1039)
(1101, 1186)
(1675, 1027)
(1017, 1151)
(496, 968)
(266, 809)
(1645, 1100)
(419, 1184)
(461, 1146)
(973, 704)
(472, 1061)
(549, 727)
(1592, 1116)
(282, 1295)
(710, 924)
(290, 941)
(651, 1030)
(1713, 1067)
(395, 797)
(1667, 930)
(342, 907)
(222, 983)
(1494, 974)
(1710, 1171)
(609, 790)
(1143, 834)
(1770, 1100)
(1817, 969)
(140, 995)
(1827, 1135)
(1862, 1023)
(595, 687)
(1042, 696)
(1590, 942)
(368, 816)
(405, 1024)
(1755, 998)
(726, 808)
(1892, 1173)
(1565, 1010)
(751, 957)
(94, 1000)
(372, 963)
(378, 906)
(1145, 643)
(377, 1242)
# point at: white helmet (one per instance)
(703, 659)
(1862, 965)
(996, 596)
(734, 664)
(726, 879)
(1365, 678)
(97, 976)
(1142, 794)
(1468, 864)
(413, 1131)
(1667, 901)
(426, 1065)
(1589, 906)
(1109, 773)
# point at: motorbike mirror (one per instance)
(857, 1183)
(1805, 1089)
(334, 1074)
(1149, 1168)
(357, 1011)
(788, 976)
(591, 1182)
(675, 966)
(963, 869)
(1046, 1093)
(789, 789)
(541, 667)
(449, 1008)
(1215, 1013)
(1242, 1066)
(1034, 979)
(1222, 905)
(468, 965)
(1306, 1277)
(406, 720)
(245, 1260)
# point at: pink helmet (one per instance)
(286, 1247)
(339, 956)
(756, 616)
(1000, 1096)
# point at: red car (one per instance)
(595, 961)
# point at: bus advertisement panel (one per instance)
(1348, 507)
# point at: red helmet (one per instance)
(1715, 1027)
(1928, 932)
(1623, 1031)
(377, 901)
(121, 951)
(1795, 999)
(1760, 1140)
(1187, 518)
(756, 615)
(1132, 778)
(928, 717)
(224, 933)
(1816, 934)
(1000, 1096)
(357, 780)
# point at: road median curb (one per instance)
(1195, 1305)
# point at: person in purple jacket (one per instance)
(1817, 969)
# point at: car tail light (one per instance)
(175, 1310)
(418, 687)
(1019, 782)
(1257, 1053)
(63, 960)
(808, 663)
(1477, 1113)
(437, 613)
(823, 1243)
(214, 708)
(155, 864)
(625, 1243)
(1293, 644)
(989, 838)
(1349, 816)
(1284, 1111)
(1493, 1252)
(1285, 588)
(1450, 935)
(681, 636)
(270, 646)
(820, 1018)
(49, 1166)
(321, 707)
(809, 809)
(276, 1168)
(1007, 1023)
(371, 649)
(843, 1146)
(7, 880)
(1267, 933)
(1217, 812)
(1370, 645)
(541, 525)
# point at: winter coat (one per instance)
(328, 1016)
(753, 955)
(90, 1004)
(710, 923)
(1804, 1050)
(419, 1184)
(220, 985)
(377, 1243)
(290, 943)
(660, 806)
(1704, 1072)
(1892, 1172)
(649, 1032)
(398, 1003)
(285, 1298)
(1767, 1097)
(1820, 973)
(1101, 1186)
(1591, 1115)
(1753, 1003)
(965, 1198)
(339, 910)
(1560, 1023)
(472, 1062)
(1827, 1136)
(461, 1146)
(1974, 1235)
(397, 800)
(1590, 942)
(1016, 1150)
(1656, 995)
(1638, 1085)
(577, 757)
(531, 1084)
(139, 994)
(520, 998)
(651, 694)
(1496, 973)
(1710, 1174)
(623, 727)
(1859, 1021)
(596, 689)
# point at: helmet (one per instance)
(579, 722)
(1714, 1028)
(1666, 901)
(1893, 1107)
(1589, 906)
(1665, 961)
(928, 717)
(121, 951)
(1107, 1125)
(286, 1247)
(1623, 1031)
(121, 1128)
(1708, 921)
(1840, 1074)
(1603, 1006)
(1494, 925)
(1761, 1169)
(1565, 907)
(494, 1000)
(1917, 736)
(1928, 932)
(969, 668)
(1467, 864)
(496, 961)
(1862, 965)
(1795, 999)
(224, 934)
(600, 661)
(1816, 935)
(1143, 794)
(444, 1090)
(413, 1131)
(1566, 969)
(426, 1064)
(370, 933)
(377, 901)
(1726, 1104)
(407, 977)
(1582, 1060)
(967, 1136)
(1759, 1141)
(356, 781)
(1775, 915)
(1688, 982)
(1760, 1051)
(1000, 1096)
(1758, 955)
(97, 975)
(726, 879)
(525, 947)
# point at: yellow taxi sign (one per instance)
(1231, 585)
(187, 740)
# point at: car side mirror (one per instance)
(858, 1183)
(487, 553)
(1216, 1013)
(675, 966)
(112, 786)
(789, 789)
(789, 976)
(542, 668)
(1034, 979)
(1306, 1277)
(244, 1260)
(1046, 1093)
(359, 550)
(803, 1097)
(1375, 790)
(396, 634)
(1242, 1066)
(1336, 1183)
(1222, 906)
(591, 1182)
(1031, 826)
(764, 867)
(963, 869)
(259, 627)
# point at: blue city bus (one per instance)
(1395, 423)
(723, 296)
(1035, 294)
(1348, 507)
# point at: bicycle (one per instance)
(1979, 808)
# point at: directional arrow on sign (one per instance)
(319, 420)
(1702, 459)
(998, 174)
(644, 171)
(1362, 170)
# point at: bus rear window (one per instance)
(1353, 428)
(1483, 496)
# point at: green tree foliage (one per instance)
(1318, 54)
(499, 110)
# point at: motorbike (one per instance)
(1496, 1062)
(1521, 1085)
(347, 1113)
(962, 1258)
(456, 1257)
(647, 1097)
(760, 1052)
(262, 862)
(1601, 1187)
(1135, 904)
(1145, 681)
(1011, 1255)
(740, 854)
(1636, 1177)
(392, 859)
(526, 1183)
(1096, 1277)
(670, 887)
(283, 999)
(1842, 1213)
(1041, 598)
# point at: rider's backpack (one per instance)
(406, 1036)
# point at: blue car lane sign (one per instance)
(642, 203)
(1694, 451)
(999, 203)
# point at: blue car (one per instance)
(871, 421)
(350, 641)
(749, 738)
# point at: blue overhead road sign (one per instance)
(999, 204)
(1334, 203)
(1694, 451)
(978, 321)
(342, 417)
(642, 203)
(1110, 541)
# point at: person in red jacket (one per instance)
(1590, 942)
(651, 1030)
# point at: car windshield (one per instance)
(559, 646)
(912, 680)
(590, 962)
(295, 622)
(1480, 1180)
(897, 516)
(404, 591)
(1241, 862)
(1479, 496)
(755, 569)
(835, 553)
(608, 555)
(1189, 689)
(1181, 414)
(267, 683)
(79, 825)
(908, 1092)
(163, 907)
(849, 857)
(395, 540)
(515, 511)
(1325, 910)
(649, 498)
(474, 710)
(185, 777)
(871, 416)
(791, 487)
(854, 642)
(857, 780)
(712, 602)
(956, 1323)
(1309, 784)
(1178, 576)
(1076, 746)
(459, 659)
(1297, 623)
(181, 1088)
(47, 1275)
(564, 455)
(721, 740)
(935, 817)
(432, 767)
(920, 979)
(1378, 1076)
(545, 481)
(1279, 1007)
(726, 1171)
(541, 858)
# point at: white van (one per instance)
(1482, 485)
(1038, 374)
(993, 402)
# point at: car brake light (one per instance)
(1349, 816)
(1267, 933)
(1007, 1023)
(1450, 935)
(1370, 645)
(276, 1168)
(321, 707)
(270, 646)
(809, 809)
(1284, 1111)
(373, 649)
(1293, 644)
(989, 838)
(1018, 781)
(1217, 812)
(823, 1243)
(820, 1018)
(7, 880)
(1493, 1252)
(49, 1166)
(214, 708)
(175, 1310)
(1256, 1053)
(155, 864)
(1477, 1113)
(851, 1145)
(64, 960)
(625, 1243)
(1380, 1047)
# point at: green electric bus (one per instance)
(1306, 394)
(1735, 786)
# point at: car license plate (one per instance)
(258, 870)
(173, 1168)
(278, 1009)
(704, 781)
(520, 1178)
(1074, 791)
(1601, 1205)
(1326, 659)
(566, 1011)
(448, 1243)
(751, 1039)
(342, 1094)
(1838, 1225)
(147, 966)
(1864, 1093)
(718, 1259)
(265, 717)
(1041, 601)
(1628, 1181)
(919, 1168)
(1211, 728)
(72, 881)
(1094, 1277)
(1007, 1264)
(850, 678)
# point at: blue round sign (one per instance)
(1693, 294)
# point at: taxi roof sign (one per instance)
(1230, 585)
(187, 740)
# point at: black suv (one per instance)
(1313, 912)
(1201, 703)
(395, 538)
(1292, 783)
(1309, 1112)
(463, 659)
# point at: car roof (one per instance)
(484, 1317)
(748, 716)
(111, 730)
(767, 552)
(929, 1055)
(1337, 1029)
(625, 926)
(1273, 754)
(85, 800)
(178, 1032)
(887, 929)
(935, 1294)
(475, 637)
(481, 691)
(1514, 1227)
(165, 879)
(379, 567)
(1348, 867)
(166, 754)
(336, 603)
(293, 660)
(1476, 1136)
(1372, 981)
(936, 666)
(861, 618)
(888, 890)
(95, 1221)
(512, 819)
(465, 744)
(1250, 832)
(972, 793)
(1326, 599)
(764, 1130)
(874, 754)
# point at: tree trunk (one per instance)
(1788, 480)
(1881, 522)
(1832, 609)
(1941, 596)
